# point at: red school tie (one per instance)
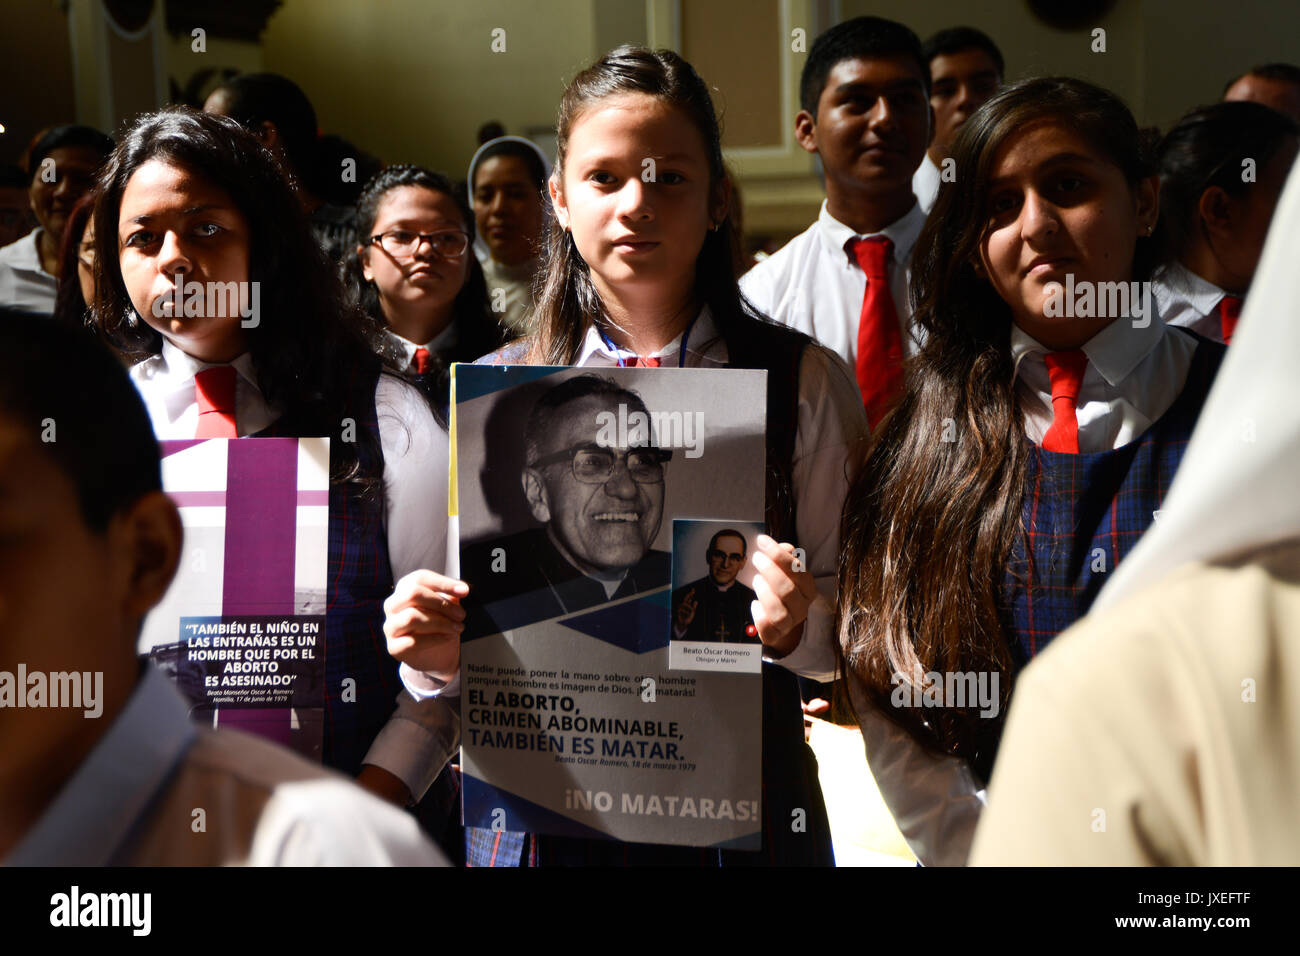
(1229, 312)
(422, 361)
(650, 362)
(1065, 369)
(214, 390)
(880, 342)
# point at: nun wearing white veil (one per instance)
(1164, 728)
(506, 181)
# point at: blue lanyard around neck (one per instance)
(622, 362)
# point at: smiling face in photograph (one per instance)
(424, 277)
(175, 224)
(872, 125)
(1057, 207)
(599, 527)
(636, 193)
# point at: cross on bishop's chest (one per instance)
(722, 633)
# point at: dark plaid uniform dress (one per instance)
(359, 579)
(789, 781)
(1083, 513)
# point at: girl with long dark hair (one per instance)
(192, 200)
(1038, 433)
(640, 272)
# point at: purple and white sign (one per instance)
(242, 629)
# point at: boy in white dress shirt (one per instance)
(966, 68)
(1221, 171)
(866, 113)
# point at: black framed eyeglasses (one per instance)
(715, 553)
(448, 243)
(593, 464)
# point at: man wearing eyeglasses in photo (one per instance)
(716, 608)
(599, 509)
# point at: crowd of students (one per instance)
(963, 460)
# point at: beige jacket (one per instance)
(1164, 730)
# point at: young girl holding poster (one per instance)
(191, 204)
(1033, 445)
(639, 272)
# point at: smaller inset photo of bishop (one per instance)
(712, 623)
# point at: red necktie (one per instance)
(1065, 369)
(214, 390)
(1229, 313)
(880, 342)
(422, 361)
(646, 362)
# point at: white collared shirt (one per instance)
(131, 801)
(414, 744)
(1133, 376)
(925, 184)
(814, 284)
(832, 425)
(24, 283)
(1185, 299)
(439, 343)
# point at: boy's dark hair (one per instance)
(861, 38)
(99, 434)
(252, 99)
(958, 40)
(1206, 148)
(1281, 72)
(67, 137)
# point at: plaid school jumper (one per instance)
(359, 580)
(789, 776)
(1083, 513)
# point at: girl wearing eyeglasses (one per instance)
(415, 274)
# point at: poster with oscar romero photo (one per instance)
(566, 484)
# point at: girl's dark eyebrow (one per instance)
(147, 217)
(1060, 159)
(614, 160)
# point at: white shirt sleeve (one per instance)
(416, 462)
(935, 800)
(423, 733)
(831, 434)
(335, 823)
